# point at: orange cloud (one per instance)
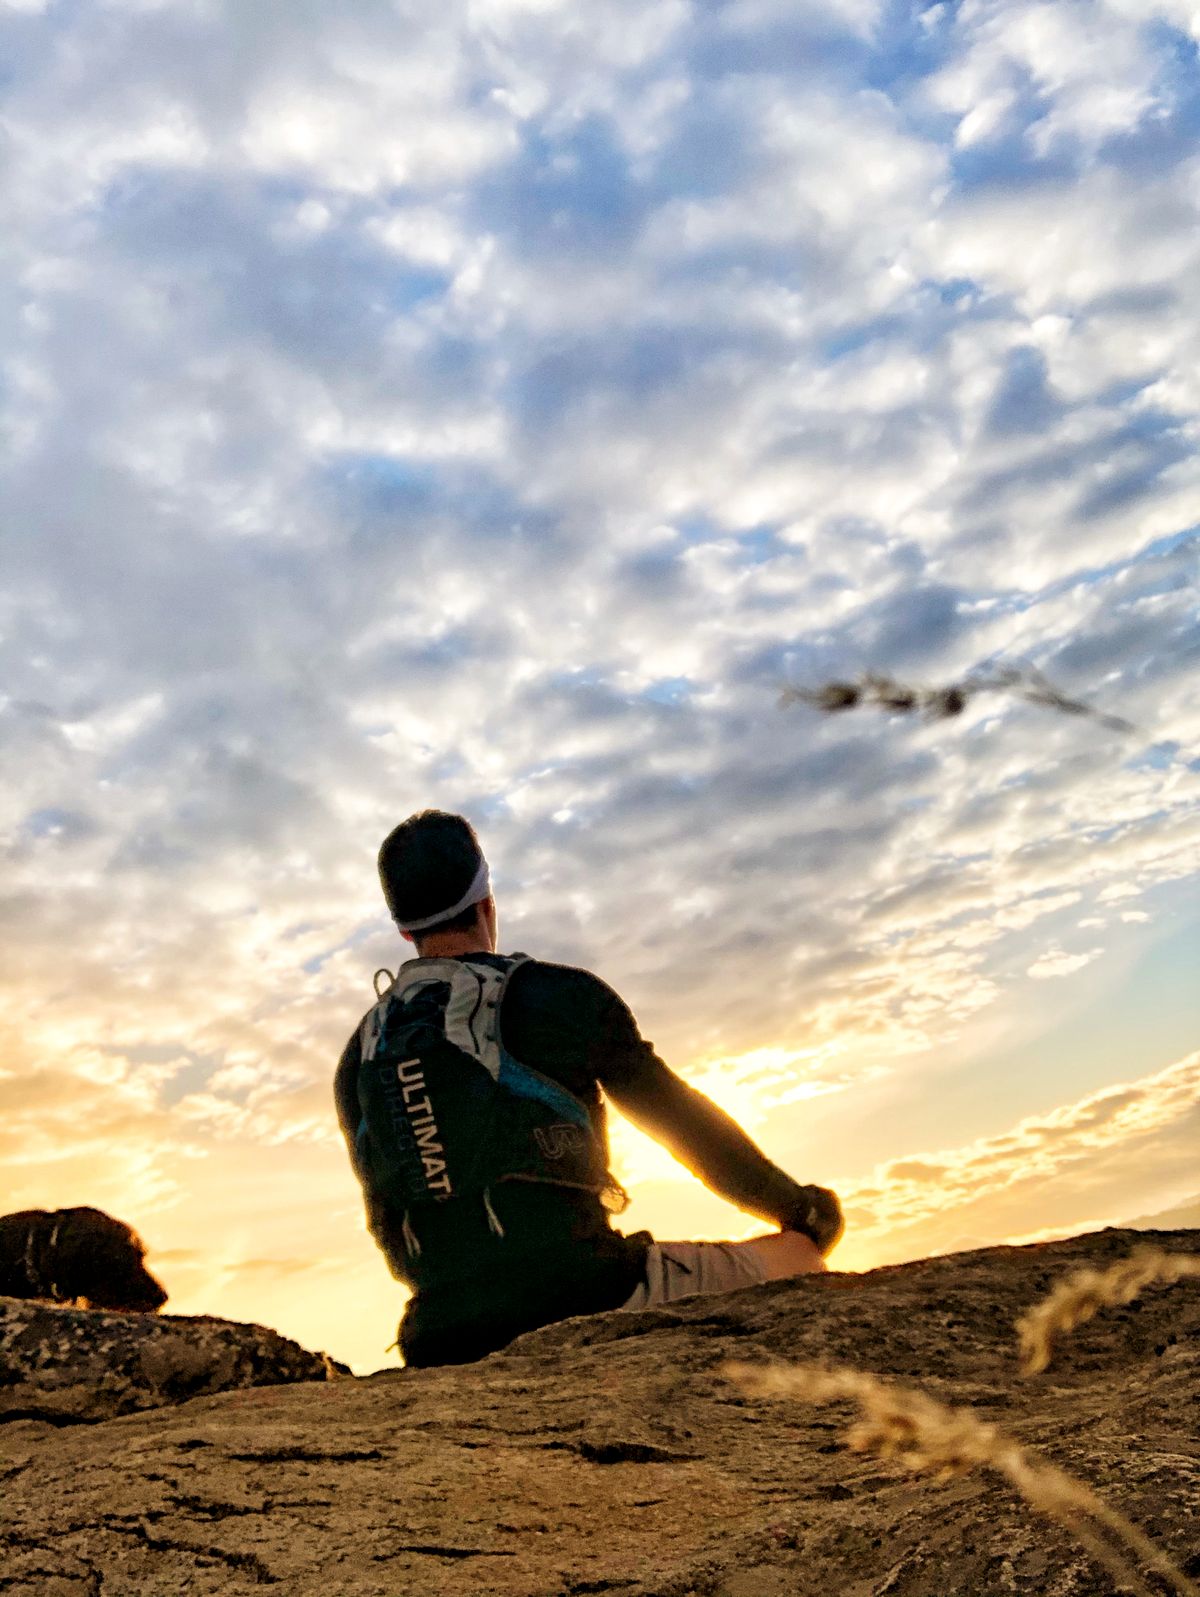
(1084, 1163)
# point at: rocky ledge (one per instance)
(67, 1366)
(612, 1455)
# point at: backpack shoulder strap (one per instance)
(492, 1054)
(472, 1013)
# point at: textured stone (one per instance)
(65, 1366)
(611, 1456)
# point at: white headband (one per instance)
(479, 889)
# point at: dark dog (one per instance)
(76, 1256)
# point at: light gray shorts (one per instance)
(677, 1270)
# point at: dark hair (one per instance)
(426, 864)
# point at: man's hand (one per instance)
(818, 1214)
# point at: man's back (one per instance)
(536, 1252)
(553, 1252)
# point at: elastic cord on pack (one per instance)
(493, 1218)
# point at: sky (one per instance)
(495, 406)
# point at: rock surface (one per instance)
(610, 1455)
(69, 1366)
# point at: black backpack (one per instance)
(447, 1112)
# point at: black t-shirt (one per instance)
(559, 1254)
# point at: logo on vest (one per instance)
(557, 1141)
(423, 1126)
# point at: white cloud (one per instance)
(1057, 962)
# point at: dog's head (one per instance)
(103, 1260)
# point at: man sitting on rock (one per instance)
(469, 1097)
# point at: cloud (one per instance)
(1054, 962)
(915, 1170)
(1070, 1166)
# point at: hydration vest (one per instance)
(447, 1113)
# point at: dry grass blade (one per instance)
(1086, 1292)
(930, 1438)
(944, 703)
